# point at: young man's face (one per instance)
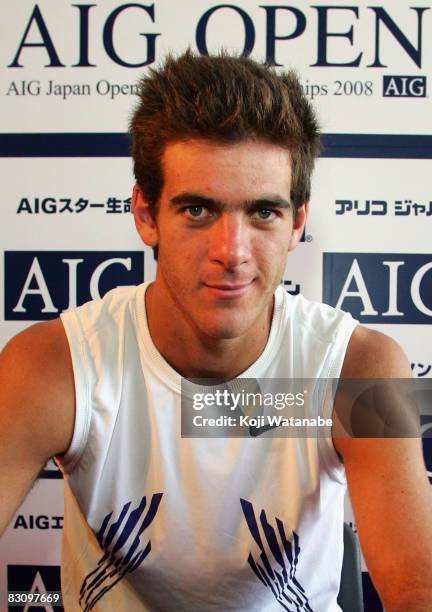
(223, 228)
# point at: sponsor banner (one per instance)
(39, 515)
(28, 583)
(66, 206)
(380, 287)
(38, 521)
(387, 213)
(371, 186)
(362, 205)
(33, 538)
(370, 205)
(364, 65)
(68, 203)
(40, 285)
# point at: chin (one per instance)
(224, 334)
(224, 330)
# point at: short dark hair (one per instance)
(226, 99)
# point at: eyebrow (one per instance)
(196, 199)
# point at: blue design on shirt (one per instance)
(123, 552)
(281, 579)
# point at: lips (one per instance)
(228, 290)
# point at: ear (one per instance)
(298, 226)
(144, 219)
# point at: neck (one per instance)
(192, 353)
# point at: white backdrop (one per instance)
(68, 75)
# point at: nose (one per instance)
(229, 243)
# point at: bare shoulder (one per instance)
(372, 354)
(38, 385)
(365, 414)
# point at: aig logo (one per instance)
(39, 285)
(87, 24)
(379, 287)
(404, 86)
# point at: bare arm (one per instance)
(36, 409)
(389, 489)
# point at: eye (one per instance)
(265, 214)
(197, 212)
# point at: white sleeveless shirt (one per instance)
(157, 522)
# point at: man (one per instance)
(223, 152)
